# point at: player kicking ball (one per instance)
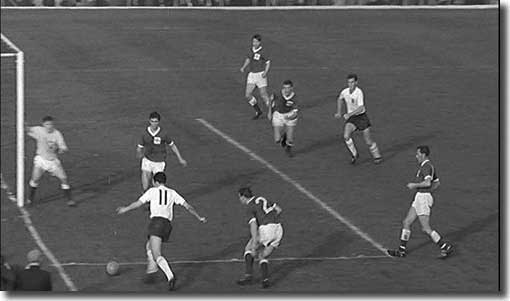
(258, 63)
(266, 234)
(161, 200)
(356, 118)
(50, 143)
(152, 150)
(284, 116)
(427, 182)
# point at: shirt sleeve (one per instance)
(145, 198)
(178, 199)
(61, 143)
(341, 95)
(360, 98)
(141, 142)
(169, 140)
(427, 171)
(33, 132)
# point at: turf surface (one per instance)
(429, 77)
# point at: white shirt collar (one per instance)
(423, 163)
(33, 264)
(153, 133)
(256, 50)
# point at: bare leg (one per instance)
(348, 130)
(372, 146)
(155, 245)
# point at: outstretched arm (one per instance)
(174, 148)
(194, 212)
(134, 205)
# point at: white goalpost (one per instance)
(15, 52)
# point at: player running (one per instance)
(356, 118)
(258, 62)
(50, 143)
(427, 182)
(266, 234)
(284, 112)
(152, 150)
(161, 200)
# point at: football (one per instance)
(112, 268)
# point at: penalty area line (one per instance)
(294, 183)
(38, 240)
(232, 260)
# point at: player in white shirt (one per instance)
(162, 200)
(356, 118)
(50, 143)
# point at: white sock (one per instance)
(163, 265)
(374, 150)
(406, 234)
(351, 147)
(152, 266)
(435, 236)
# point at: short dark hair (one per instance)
(160, 177)
(155, 115)
(424, 150)
(257, 37)
(288, 82)
(352, 75)
(246, 192)
(47, 118)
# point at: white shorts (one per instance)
(271, 234)
(280, 119)
(54, 167)
(422, 203)
(151, 166)
(255, 78)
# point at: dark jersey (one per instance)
(154, 144)
(262, 211)
(283, 104)
(426, 170)
(258, 59)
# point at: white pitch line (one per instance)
(38, 240)
(232, 260)
(298, 186)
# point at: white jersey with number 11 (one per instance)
(162, 200)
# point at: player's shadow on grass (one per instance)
(187, 273)
(91, 189)
(331, 246)
(460, 234)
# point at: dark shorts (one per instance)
(160, 227)
(361, 121)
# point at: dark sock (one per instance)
(264, 269)
(248, 260)
(31, 193)
(257, 108)
(67, 193)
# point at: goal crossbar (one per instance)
(20, 118)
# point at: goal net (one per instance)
(12, 121)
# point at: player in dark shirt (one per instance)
(263, 217)
(152, 150)
(426, 182)
(258, 63)
(284, 113)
